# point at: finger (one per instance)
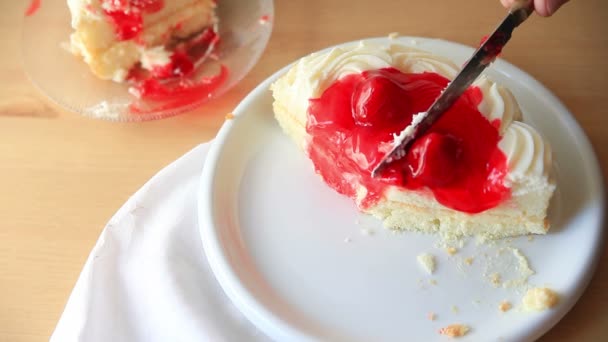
(546, 8)
(507, 3)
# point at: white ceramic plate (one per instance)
(299, 262)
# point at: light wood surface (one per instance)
(62, 176)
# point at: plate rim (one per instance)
(277, 328)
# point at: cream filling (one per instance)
(155, 57)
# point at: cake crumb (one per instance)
(539, 299)
(455, 309)
(427, 261)
(367, 232)
(495, 279)
(393, 35)
(431, 316)
(509, 269)
(523, 267)
(531, 238)
(106, 110)
(446, 240)
(454, 330)
(451, 250)
(504, 306)
(229, 116)
(433, 282)
(468, 261)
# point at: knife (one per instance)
(484, 56)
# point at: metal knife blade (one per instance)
(483, 56)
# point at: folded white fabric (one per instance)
(147, 278)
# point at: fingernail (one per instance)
(553, 6)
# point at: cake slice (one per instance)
(480, 170)
(114, 36)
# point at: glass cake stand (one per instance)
(244, 28)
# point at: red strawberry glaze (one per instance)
(181, 65)
(127, 15)
(174, 85)
(32, 8)
(494, 48)
(175, 94)
(352, 124)
(264, 19)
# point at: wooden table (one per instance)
(62, 175)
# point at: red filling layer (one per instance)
(174, 85)
(185, 56)
(458, 159)
(175, 94)
(127, 15)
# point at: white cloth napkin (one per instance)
(147, 278)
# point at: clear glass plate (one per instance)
(244, 28)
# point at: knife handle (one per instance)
(521, 9)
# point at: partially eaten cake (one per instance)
(117, 37)
(479, 170)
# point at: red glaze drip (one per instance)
(187, 55)
(32, 8)
(175, 94)
(174, 85)
(264, 19)
(181, 65)
(458, 159)
(127, 25)
(127, 15)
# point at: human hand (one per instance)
(544, 8)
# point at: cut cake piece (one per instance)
(113, 36)
(328, 103)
